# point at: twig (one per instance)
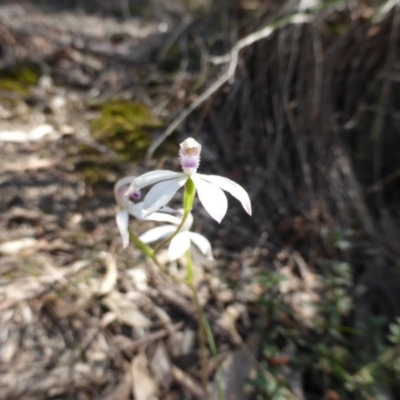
(189, 383)
(379, 125)
(152, 337)
(232, 58)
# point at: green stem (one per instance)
(189, 269)
(383, 359)
(188, 197)
(200, 320)
(213, 349)
(147, 250)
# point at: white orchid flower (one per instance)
(181, 242)
(128, 207)
(209, 187)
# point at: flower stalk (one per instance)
(144, 248)
(188, 197)
(200, 322)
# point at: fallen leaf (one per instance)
(125, 310)
(30, 163)
(187, 382)
(228, 320)
(236, 370)
(144, 386)
(161, 366)
(33, 135)
(15, 246)
(110, 278)
(139, 279)
(122, 391)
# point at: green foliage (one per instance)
(341, 238)
(354, 362)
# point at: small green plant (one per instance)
(326, 350)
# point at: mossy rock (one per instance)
(125, 128)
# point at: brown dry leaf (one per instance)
(122, 391)
(182, 343)
(144, 386)
(291, 283)
(15, 246)
(16, 292)
(161, 366)
(139, 279)
(10, 347)
(236, 370)
(126, 311)
(33, 135)
(31, 163)
(228, 320)
(35, 382)
(108, 318)
(187, 382)
(110, 278)
(305, 309)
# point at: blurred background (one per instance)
(298, 101)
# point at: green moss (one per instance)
(19, 78)
(124, 127)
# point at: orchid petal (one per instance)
(120, 196)
(135, 209)
(211, 196)
(178, 246)
(163, 217)
(232, 187)
(161, 193)
(188, 223)
(169, 210)
(150, 178)
(122, 219)
(158, 233)
(202, 243)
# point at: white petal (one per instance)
(232, 187)
(150, 178)
(124, 181)
(211, 196)
(158, 233)
(169, 210)
(178, 246)
(188, 223)
(120, 196)
(161, 193)
(202, 243)
(163, 217)
(135, 209)
(122, 219)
